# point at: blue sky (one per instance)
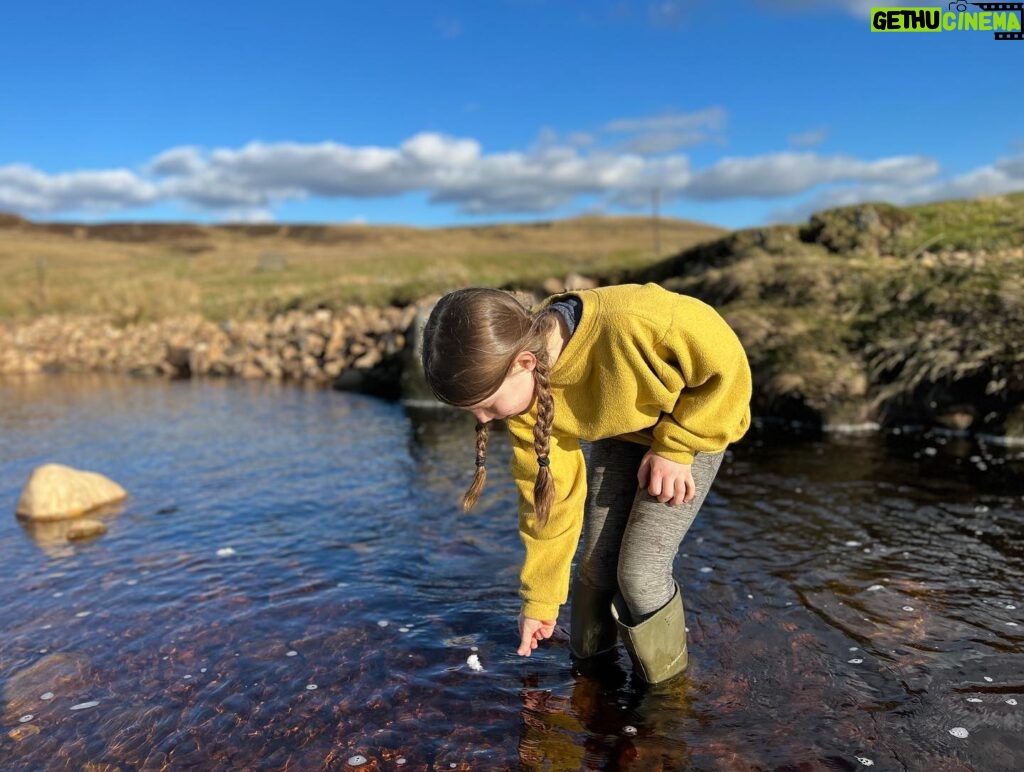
(434, 113)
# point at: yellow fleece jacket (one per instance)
(645, 365)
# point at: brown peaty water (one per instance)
(291, 585)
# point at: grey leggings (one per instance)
(629, 537)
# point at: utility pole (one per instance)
(656, 221)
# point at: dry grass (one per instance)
(139, 272)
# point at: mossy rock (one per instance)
(866, 228)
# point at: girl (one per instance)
(660, 385)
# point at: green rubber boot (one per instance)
(657, 645)
(593, 629)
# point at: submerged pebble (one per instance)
(85, 705)
(866, 762)
(26, 718)
(357, 761)
(908, 608)
(400, 760)
(311, 687)
(1011, 701)
(855, 661)
(959, 731)
(628, 730)
(974, 699)
(46, 696)
(988, 678)
(292, 653)
(382, 623)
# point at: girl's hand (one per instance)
(530, 632)
(666, 480)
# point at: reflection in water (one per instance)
(293, 583)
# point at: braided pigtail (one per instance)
(473, 494)
(544, 487)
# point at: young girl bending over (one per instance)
(660, 385)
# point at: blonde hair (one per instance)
(470, 343)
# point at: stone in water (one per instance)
(225, 552)
(474, 663)
(357, 761)
(85, 705)
(959, 731)
(865, 762)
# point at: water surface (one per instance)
(291, 585)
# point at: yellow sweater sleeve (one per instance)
(705, 360)
(544, 579)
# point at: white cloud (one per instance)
(28, 190)
(786, 174)
(712, 119)
(858, 8)
(1004, 176)
(247, 183)
(811, 138)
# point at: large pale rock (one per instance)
(56, 492)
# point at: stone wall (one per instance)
(323, 347)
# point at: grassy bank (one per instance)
(140, 272)
(875, 313)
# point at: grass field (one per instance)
(137, 272)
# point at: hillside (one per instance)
(875, 313)
(151, 271)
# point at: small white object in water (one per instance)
(311, 687)
(292, 653)
(1011, 607)
(855, 661)
(959, 731)
(188, 677)
(225, 552)
(383, 623)
(853, 648)
(85, 705)
(628, 730)
(403, 629)
(400, 760)
(751, 597)
(875, 588)
(357, 761)
(865, 762)
(1011, 701)
(1011, 624)
(46, 696)
(706, 569)
(908, 608)
(852, 543)
(974, 699)
(132, 582)
(26, 718)
(58, 595)
(930, 451)
(82, 614)
(987, 678)
(474, 663)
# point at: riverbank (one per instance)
(866, 317)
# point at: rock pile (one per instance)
(320, 346)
